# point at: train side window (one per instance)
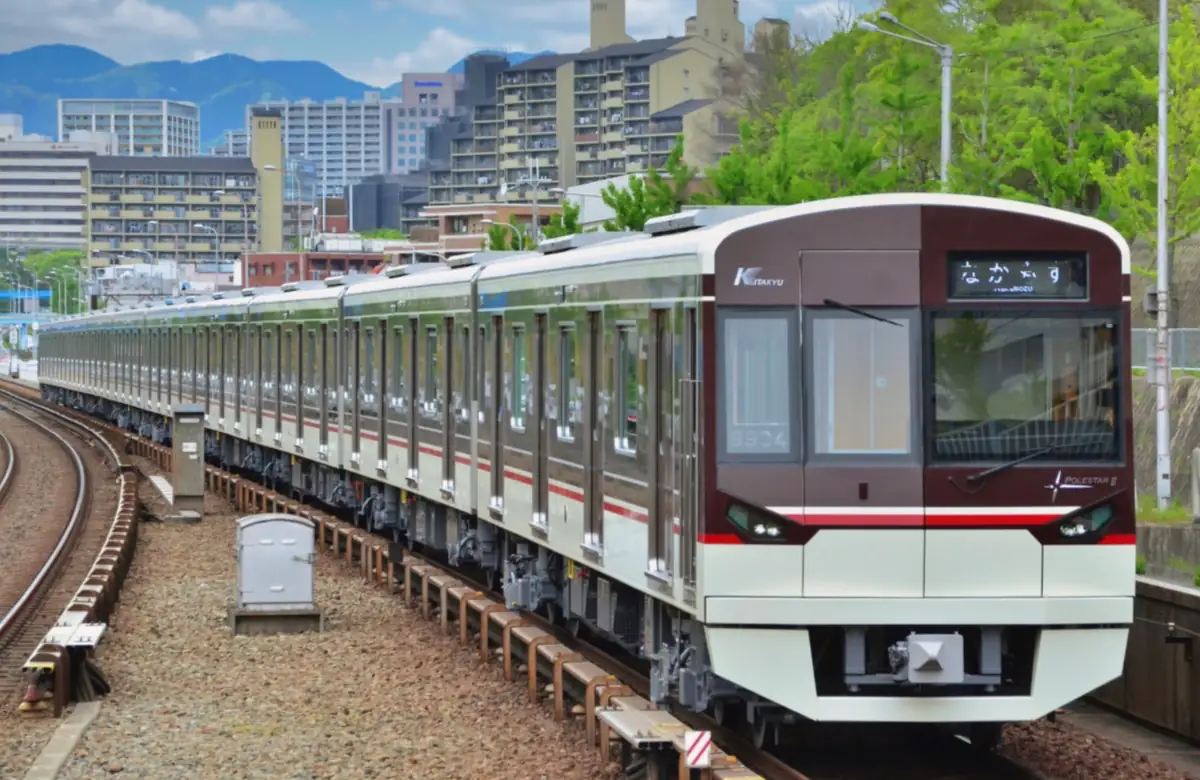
(757, 403)
(462, 373)
(396, 384)
(567, 414)
(288, 380)
(370, 380)
(310, 362)
(431, 371)
(520, 379)
(626, 391)
(482, 385)
(861, 384)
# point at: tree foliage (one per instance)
(386, 234)
(1052, 102)
(654, 195)
(60, 272)
(509, 236)
(565, 223)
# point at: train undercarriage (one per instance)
(668, 644)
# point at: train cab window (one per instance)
(757, 351)
(567, 379)
(520, 378)
(626, 391)
(1007, 384)
(861, 383)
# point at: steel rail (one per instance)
(12, 618)
(10, 466)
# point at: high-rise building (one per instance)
(234, 143)
(425, 99)
(198, 213)
(41, 186)
(607, 111)
(344, 138)
(152, 128)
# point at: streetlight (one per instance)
(520, 236)
(216, 243)
(947, 54)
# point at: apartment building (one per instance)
(614, 109)
(342, 138)
(41, 186)
(199, 214)
(234, 143)
(153, 128)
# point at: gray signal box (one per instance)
(187, 438)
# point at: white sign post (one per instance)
(697, 748)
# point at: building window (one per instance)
(757, 405)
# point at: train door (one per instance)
(327, 380)
(593, 435)
(659, 436)
(449, 409)
(541, 426)
(355, 386)
(688, 451)
(497, 406)
(413, 476)
(380, 390)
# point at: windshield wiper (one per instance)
(976, 478)
(854, 310)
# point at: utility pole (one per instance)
(1163, 286)
(534, 179)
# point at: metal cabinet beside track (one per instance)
(276, 554)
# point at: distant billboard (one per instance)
(427, 83)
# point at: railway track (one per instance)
(77, 556)
(579, 678)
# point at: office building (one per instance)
(611, 110)
(380, 202)
(153, 128)
(41, 186)
(425, 99)
(342, 138)
(198, 214)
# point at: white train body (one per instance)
(785, 454)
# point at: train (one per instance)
(859, 460)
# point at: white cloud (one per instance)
(254, 15)
(821, 19)
(115, 27)
(199, 55)
(440, 49)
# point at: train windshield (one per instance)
(1010, 384)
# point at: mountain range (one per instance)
(32, 81)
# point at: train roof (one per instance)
(695, 233)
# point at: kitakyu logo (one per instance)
(1076, 483)
(748, 277)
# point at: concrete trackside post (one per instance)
(187, 477)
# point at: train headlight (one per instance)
(1085, 523)
(754, 524)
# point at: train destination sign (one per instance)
(983, 275)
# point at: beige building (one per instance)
(199, 214)
(614, 109)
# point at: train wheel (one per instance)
(762, 733)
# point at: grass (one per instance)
(1175, 514)
(1174, 372)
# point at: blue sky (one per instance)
(371, 40)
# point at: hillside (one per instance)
(33, 80)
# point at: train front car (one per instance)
(919, 487)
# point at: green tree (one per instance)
(652, 195)
(565, 223)
(510, 236)
(1131, 194)
(387, 234)
(62, 270)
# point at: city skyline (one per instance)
(373, 41)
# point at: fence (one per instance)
(1185, 348)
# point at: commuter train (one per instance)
(866, 459)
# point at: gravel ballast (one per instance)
(381, 694)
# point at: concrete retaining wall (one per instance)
(1161, 681)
